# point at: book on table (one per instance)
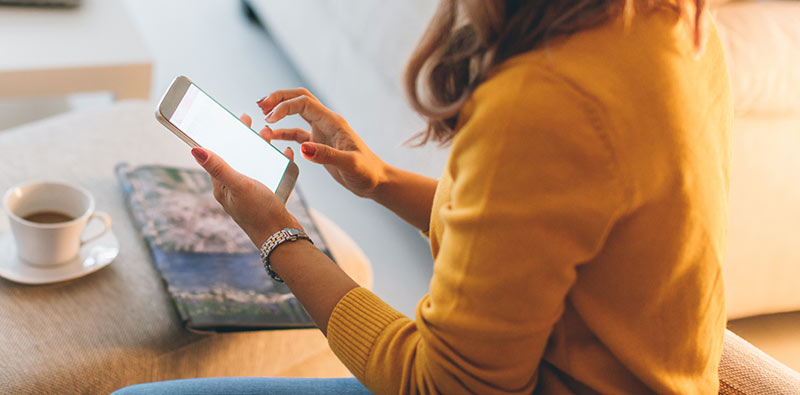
(211, 269)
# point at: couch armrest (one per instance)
(744, 369)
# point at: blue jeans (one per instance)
(248, 386)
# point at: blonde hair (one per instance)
(467, 38)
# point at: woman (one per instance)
(577, 229)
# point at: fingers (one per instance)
(289, 153)
(266, 133)
(246, 119)
(298, 135)
(310, 109)
(217, 168)
(269, 102)
(291, 134)
(327, 155)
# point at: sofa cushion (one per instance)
(746, 370)
(353, 54)
(762, 267)
(761, 41)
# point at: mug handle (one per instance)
(106, 220)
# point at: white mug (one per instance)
(47, 244)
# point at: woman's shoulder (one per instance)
(525, 95)
(525, 104)
(625, 82)
(599, 67)
(527, 76)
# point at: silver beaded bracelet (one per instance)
(280, 237)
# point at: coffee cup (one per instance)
(48, 219)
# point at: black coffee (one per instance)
(48, 217)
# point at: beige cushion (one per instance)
(762, 45)
(762, 266)
(746, 370)
(118, 326)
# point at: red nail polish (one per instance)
(199, 155)
(262, 99)
(308, 149)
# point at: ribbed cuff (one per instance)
(357, 320)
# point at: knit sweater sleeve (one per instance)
(535, 192)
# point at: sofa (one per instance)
(352, 55)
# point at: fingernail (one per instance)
(269, 115)
(199, 155)
(262, 99)
(308, 149)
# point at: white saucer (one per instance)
(93, 256)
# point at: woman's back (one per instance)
(601, 165)
(653, 298)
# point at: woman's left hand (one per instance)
(250, 203)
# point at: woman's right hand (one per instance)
(331, 142)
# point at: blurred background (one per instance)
(351, 54)
(61, 59)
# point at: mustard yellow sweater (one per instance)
(578, 229)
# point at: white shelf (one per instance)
(58, 51)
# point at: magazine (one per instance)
(211, 269)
